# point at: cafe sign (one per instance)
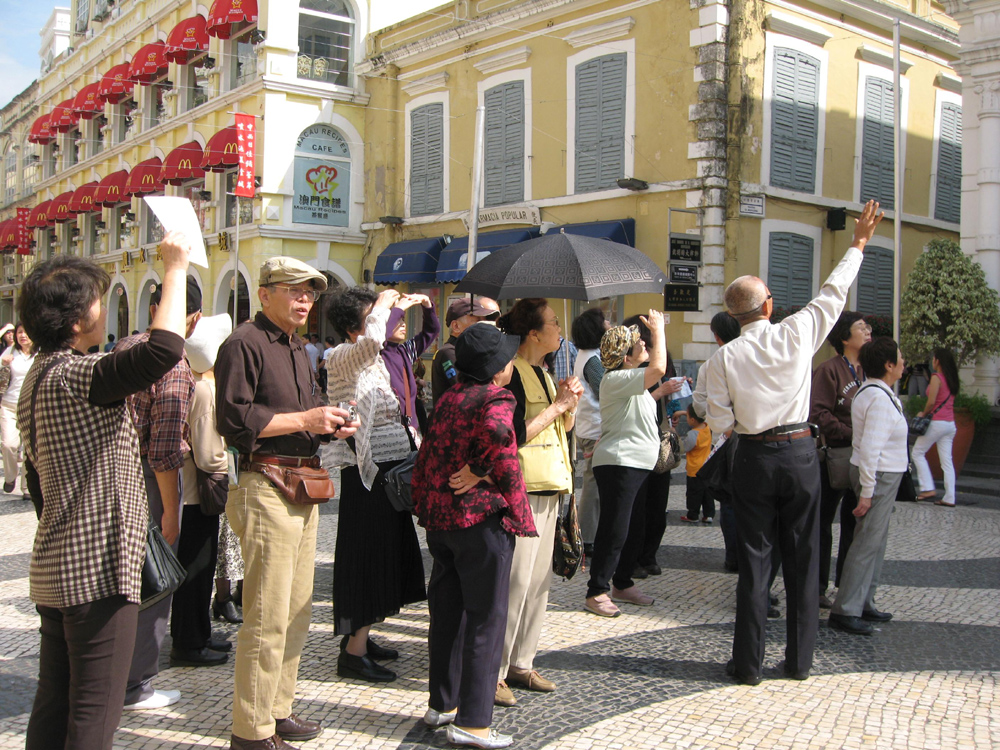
(322, 182)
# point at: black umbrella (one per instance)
(563, 266)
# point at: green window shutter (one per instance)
(789, 269)
(948, 196)
(600, 122)
(794, 120)
(875, 280)
(877, 144)
(504, 146)
(427, 160)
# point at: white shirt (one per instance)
(629, 433)
(763, 378)
(699, 397)
(312, 351)
(588, 409)
(19, 367)
(879, 437)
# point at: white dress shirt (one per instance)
(762, 379)
(879, 437)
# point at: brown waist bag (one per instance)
(300, 485)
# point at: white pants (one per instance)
(10, 439)
(942, 433)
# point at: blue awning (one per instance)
(451, 266)
(413, 261)
(622, 231)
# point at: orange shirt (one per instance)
(698, 455)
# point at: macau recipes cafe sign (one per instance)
(322, 181)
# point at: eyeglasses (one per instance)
(554, 321)
(298, 293)
(864, 327)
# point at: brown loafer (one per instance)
(297, 729)
(503, 696)
(530, 679)
(270, 743)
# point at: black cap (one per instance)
(193, 304)
(483, 350)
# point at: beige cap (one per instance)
(285, 270)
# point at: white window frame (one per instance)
(509, 76)
(866, 70)
(600, 50)
(771, 42)
(438, 97)
(943, 97)
(352, 50)
(767, 226)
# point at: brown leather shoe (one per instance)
(297, 729)
(270, 743)
(504, 696)
(529, 678)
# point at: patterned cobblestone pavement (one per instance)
(651, 678)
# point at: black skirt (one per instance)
(378, 568)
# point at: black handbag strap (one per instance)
(936, 408)
(872, 385)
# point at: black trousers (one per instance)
(699, 501)
(83, 667)
(198, 552)
(776, 502)
(727, 522)
(467, 598)
(830, 499)
(655, 493)
(621, 527)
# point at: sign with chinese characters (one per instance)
(680, 298)
(752, 205)
(685, 248)
(683, 273)
(246, 134)
(23, 233)
(322, 178)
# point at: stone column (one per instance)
(987, 373)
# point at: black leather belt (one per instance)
(782, 433)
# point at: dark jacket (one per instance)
(833, 390)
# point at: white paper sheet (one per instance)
(685, 388)
(178, 215)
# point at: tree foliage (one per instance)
(947, 302)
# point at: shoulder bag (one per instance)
(920, 425)
(568, 552)
(670, 451)
(838, 464)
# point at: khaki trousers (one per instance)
(278, 541)
(530, 579)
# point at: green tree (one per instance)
(947, 302)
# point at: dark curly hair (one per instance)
(348, 309)
(588, 328)
(524, 317)
(56, 295)
(876, 354)
(841, 330)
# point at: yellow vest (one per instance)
(545, 458)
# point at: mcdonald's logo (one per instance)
(87, 200)
(112, 190)
(147, 179)
(61, 209)
(184, 164)
(230, 148)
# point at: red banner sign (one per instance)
(23, 233)
(246, 135)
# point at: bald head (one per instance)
(745, 299)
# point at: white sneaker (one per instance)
(458, 736)
(159, 699)
(435, 719)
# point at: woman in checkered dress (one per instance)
(84, 474)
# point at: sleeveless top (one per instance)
(947, 412)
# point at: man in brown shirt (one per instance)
(268, 407)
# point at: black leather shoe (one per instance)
(226, 611)
(271, 743)
(730, 567)
(786, 672)
(773, 613)
(219, 644)
(375, 651)
(363, 668)
(203, 657)
(741, 679)
(8, 487)
(654, 570)
(873, 615)
(639, 573)
(297, 729)
(853, 625)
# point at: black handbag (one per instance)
(716, 472)
(568, 551)
(398, 484)
(920, 425)
(162, 573)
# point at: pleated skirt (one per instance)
(378, 568)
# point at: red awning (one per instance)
(221, 152)
(225, 13)
(188, 38)
(63, 118)
(182, 164)
(148, 63)
(87, 104)
(115, 85)
(144, 177)
(38, 217)
(40, 131)
(83, 199)
(111, 190)
(59, 210)
(8, 234)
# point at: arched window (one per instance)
(322, 177)
(326, 34)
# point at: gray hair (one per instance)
(745, 297)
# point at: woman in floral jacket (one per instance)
(470, 497)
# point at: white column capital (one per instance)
(989, 93)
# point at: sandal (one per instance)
(944, 504)
(927, 495)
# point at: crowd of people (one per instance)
(213, 436)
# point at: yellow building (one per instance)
(653, 118)
(143, 103)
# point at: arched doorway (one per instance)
(318, 321)
(118, 312)
(224, 296)
(142, 311)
